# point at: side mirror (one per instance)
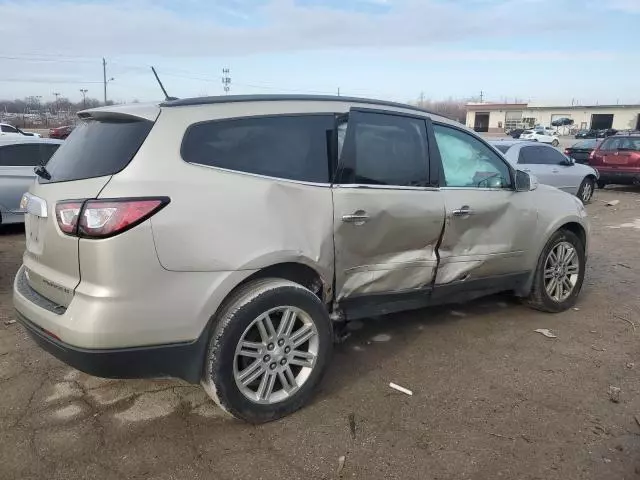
(525, 182)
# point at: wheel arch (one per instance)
(567, 224)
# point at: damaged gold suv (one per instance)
(224, 240)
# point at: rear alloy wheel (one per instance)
(268, 351)
(585, 192)
(555, 143)
(560, 273)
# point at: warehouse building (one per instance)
(498, 117)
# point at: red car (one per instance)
(617, 159)
(60, 132)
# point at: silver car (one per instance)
(550, 167)
(229, 240)
(18, 157)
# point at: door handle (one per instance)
(357, 218)
(526, 169)
(555, 170)
(462, 212)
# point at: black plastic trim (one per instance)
(460, 291)
(23, 287)
(179, 360)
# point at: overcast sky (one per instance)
(546, 51)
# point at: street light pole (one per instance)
(84, 97)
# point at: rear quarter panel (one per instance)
(220, 220)
(14, 182)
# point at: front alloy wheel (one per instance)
(560, 273)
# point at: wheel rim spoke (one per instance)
(302, 359)
(287, 323)
(251, 349)
(265, 326)
(302, 335)
(287, 379)
(251, 373)
(266, 386)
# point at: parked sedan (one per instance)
(618, 160)
(542, 136)
(7, 130)
(18, 157)
(550, 166)
(60, 132)
(580, 151)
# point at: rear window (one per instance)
(97, 148)
(26, 154)
(502, 148)
(585, 144)
(621, 143)
(291, 147)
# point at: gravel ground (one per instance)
(491, 397)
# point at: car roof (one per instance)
(28, 139)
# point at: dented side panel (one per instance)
(395, 248)
(492, 240)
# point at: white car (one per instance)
(7, 130)
(542, 135)
(550, 167)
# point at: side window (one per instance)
(291, 147)
(46, 151)
(384, 149)
(20, 155)
(467, 162)
(8, 129)
(540, 156)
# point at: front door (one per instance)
(387, 221)
(488, 224)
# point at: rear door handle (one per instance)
(555, 170)
(462, 212)
(357, 218)
(526, 169)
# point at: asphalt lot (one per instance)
(491, 397)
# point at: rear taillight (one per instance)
(566, 151)
(105, 218)
(67, 213)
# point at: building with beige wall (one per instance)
(498, 117)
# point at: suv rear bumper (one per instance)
(620, 177)
(181, 360)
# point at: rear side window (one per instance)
(384, 149)
(97, 148)
(290, 147)
(502, 148)
(26, 155)
(540, 155)
(8, 129)
(621, 143)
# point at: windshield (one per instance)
(97, 148)
(621, 143)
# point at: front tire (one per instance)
(268, 350)
(585, 192)
(559, 273)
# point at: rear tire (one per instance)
(601, 184)
(257, 368)
(545, 294)
(585, 192)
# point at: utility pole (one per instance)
(421, 99)
(57, 94)
(226, 80)
(84, 91)
(338, 91)
(481, 96)
(104, 79)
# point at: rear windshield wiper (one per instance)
(42, 172)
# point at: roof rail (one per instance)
(283, 98)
